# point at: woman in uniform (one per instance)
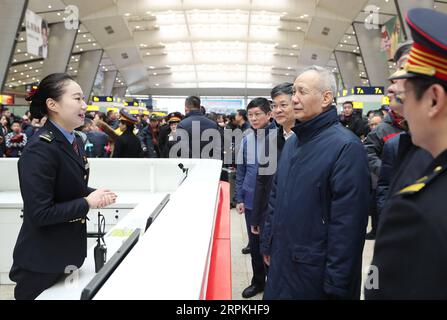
(53, 175)
(127, 145)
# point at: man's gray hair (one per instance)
(328, 82)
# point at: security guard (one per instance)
(127, 145)
(411, 248)
(53, 174)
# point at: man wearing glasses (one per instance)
(259, 115)
(410, 254)
(320, 200)
(402, 161)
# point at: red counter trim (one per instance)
(219, 276)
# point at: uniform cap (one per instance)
(428, 54)
(126, 117)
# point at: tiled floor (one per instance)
(6, 292)
(241, 266)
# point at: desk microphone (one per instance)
(181, 166)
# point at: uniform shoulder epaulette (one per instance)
(422, 182)
(47, 136)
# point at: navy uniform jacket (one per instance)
(53, 183)
(127, 146)
(376, 139)
(197, 119)
(402, 164)
(411, 247)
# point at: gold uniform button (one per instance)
(82, 220)
(85, 177)
(438, 169)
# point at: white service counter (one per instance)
(71, 287)
(173, 253)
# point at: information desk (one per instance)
(172, 258)
(130, 179)
(71, 287)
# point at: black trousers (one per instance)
(373, 212)
(29, 284)
(257, 261)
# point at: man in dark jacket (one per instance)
(352, 121)
(284, 117)
(410, 254)
(248, 162)
(193, 125)
(402, 161)
(319, 200)
(388, 128)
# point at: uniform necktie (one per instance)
(75, 147)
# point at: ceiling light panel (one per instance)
(218, 17)
(221, 85)
(224, 60)
(219, 46)
(221, 76)
(221, 68)
(219, 31)
(170, 18)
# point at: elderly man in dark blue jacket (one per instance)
(320, 200)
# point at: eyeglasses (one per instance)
(256, 115)
(282, 107)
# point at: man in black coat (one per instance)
(353, 121)
(193, 125)
(410, 255)
(402, 161)
(284, 117)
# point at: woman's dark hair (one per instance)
(261, 103)
(129, 126)
(52, 86)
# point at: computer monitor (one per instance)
(156, 211)
(101, 277)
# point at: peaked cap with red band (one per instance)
(428, 54)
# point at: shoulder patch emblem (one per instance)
(422, 182)
(47, 136)
(412, 189)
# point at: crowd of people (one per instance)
(306, 223)
(101, 132)
(307, 215)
